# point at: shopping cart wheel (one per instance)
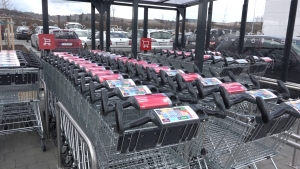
(43, 145)
(67, 161)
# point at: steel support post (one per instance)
(200, 38)
(145, 25)
(107, 27)
(243, 26)
(183, 28)
(177, 29)
(134, 27)
(208, 26)
(101, 36)
(45, 19)
(289, 39)
(93, 27)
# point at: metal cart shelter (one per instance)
(205, 9)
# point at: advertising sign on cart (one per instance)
(145, 44)
(46, 41)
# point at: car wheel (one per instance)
(37, 46)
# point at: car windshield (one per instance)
(64, 35)
(82, 33)
(117, 35)
(160, 35)
(23, 28)
(70, 26)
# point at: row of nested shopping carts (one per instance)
(139, 113)
(19, 94)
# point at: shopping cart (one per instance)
(242, 139)
(19, 94)
(114, 150)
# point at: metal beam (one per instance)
(101, 36)
(162, 1)
(154, 3)
(177, 29)
(183, 14)
(289, 39)
(200, 38)
(143, 6)
(93, 27)
(243, 26)
(107, 26)
(210, 9)
(45, 18)
(145, 25)
(134, 27)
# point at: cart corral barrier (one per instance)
(77, 140)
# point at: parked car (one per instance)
(21, 32)
(73, 25)
(84, 35)
(179, 39)
(216, 37)
(90, 30)
(66, 41)
(268, 46)
(34, 39)
(118, 41)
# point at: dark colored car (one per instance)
(216, 37)
(179, 40)
(267, 46)
(66, 41)
(21, 32)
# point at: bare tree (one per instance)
(113, 9)
(6, 4)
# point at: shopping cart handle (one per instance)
(93, 97)
(251, 59)
(236, 100)
(83, 87)
(283, 90)
(205, 92)
(121, 127)
(265, 115)
(149, 73)
(105, 107)
(213, 72)
(171, 84)
(255, 82)
(192, 93)
(163, 77)
(231, 76)
(180, 83)
(155, 79)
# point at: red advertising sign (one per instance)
(46, 41)
(145, 44)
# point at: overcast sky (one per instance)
(232, 9)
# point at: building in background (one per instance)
(276, 18)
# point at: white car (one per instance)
(118, 41)
(84, 37)
(34, 39)
(160, 39)
(73, 26)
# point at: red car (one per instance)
(66, 41)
